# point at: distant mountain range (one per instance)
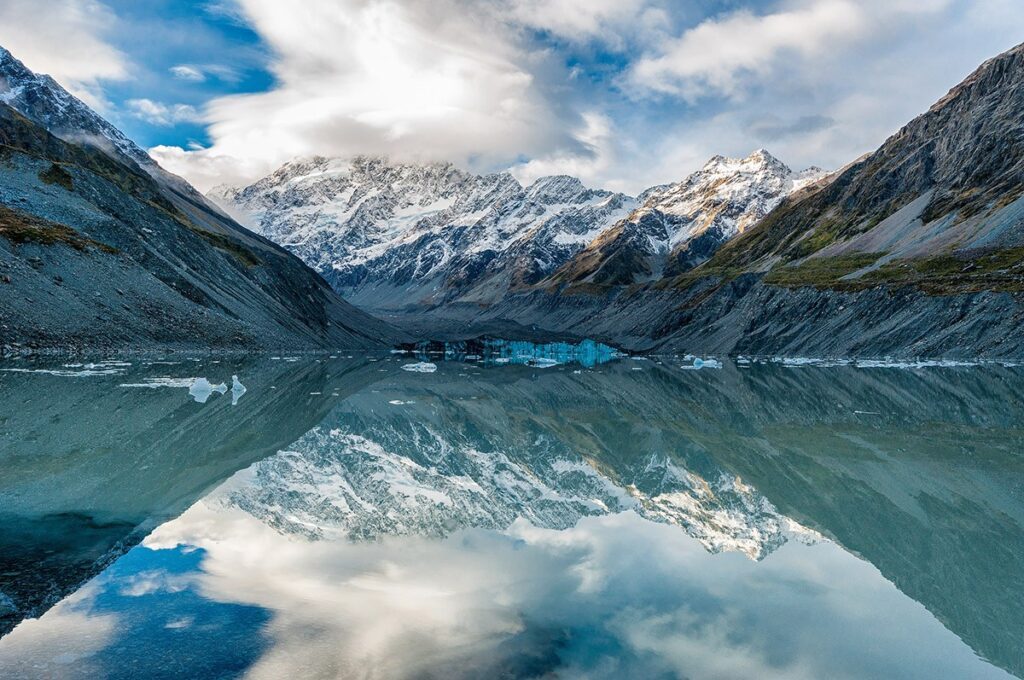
(418, 237)
(391, 235)
(100, 248)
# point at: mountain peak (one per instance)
(758, 161)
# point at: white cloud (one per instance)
(577, 19)
(199, 73)
(592, 163)
(189, 73)
(720, 55)
(157, 113)
(444, 81)
(471, 82)
(64, 39)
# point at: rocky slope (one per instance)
(682, 225)
(943, 197)
(102, 249)
(392, 236)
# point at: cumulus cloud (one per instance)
(200, 73)
(578, 19)
(66, 40)
(596, 135)
(445, 81)
(723, 54)
(157, 113)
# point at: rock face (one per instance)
(395, 236)
(682, 225)
(102, 249)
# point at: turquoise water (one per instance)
(599, 517)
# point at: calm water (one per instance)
(600, 518)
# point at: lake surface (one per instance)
(535, 512)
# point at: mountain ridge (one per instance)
(423, 237)
(104, 250)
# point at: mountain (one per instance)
(914, 250)
(430, 243)
(938, 206)
(395, 236)
(103, 249)
(681, 225)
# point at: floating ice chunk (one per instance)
(237, 390)
(421, 367)
(202, 389)
(699, 363)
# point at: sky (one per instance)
(624, 94)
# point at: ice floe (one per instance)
(699, 364)
(202, 388)
(237, 390)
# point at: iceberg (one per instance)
(237, 390)
(202, 389)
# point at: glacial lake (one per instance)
(569, 514)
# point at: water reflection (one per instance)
(632, 520)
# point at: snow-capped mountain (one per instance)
(394, 235)
(41, 99)
(678, 226)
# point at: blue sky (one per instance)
(622, 93)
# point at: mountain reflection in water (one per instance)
(348, 518)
